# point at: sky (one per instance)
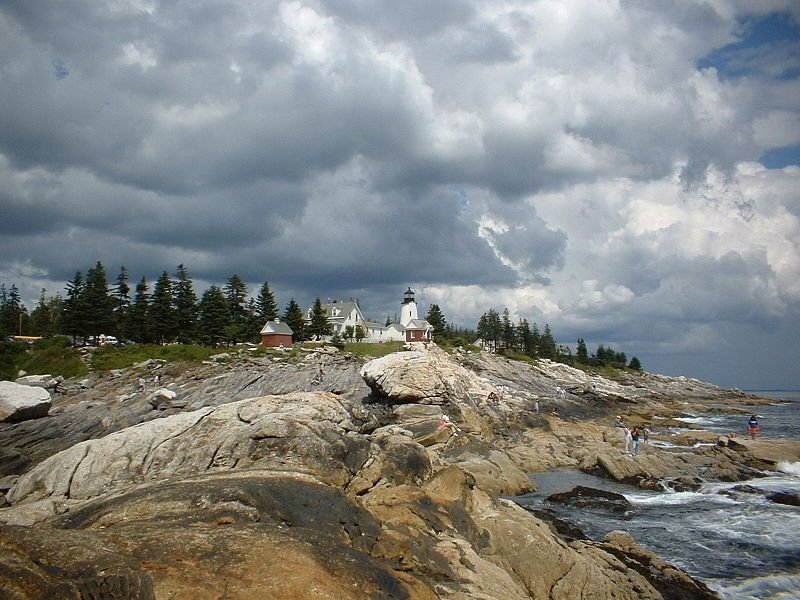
(625, 171)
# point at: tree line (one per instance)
(168, 311)
(500, 334)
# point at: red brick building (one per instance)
(276, 334)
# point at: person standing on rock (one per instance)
(142, 384)
(626, 434)
(752, 427)
(536, 406)
(635, 440)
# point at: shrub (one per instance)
(11, 354)
(54, 360)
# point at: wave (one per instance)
(791, 468)
(770, 587)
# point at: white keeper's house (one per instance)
(410, 328)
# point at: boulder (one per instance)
(788, 498)
(424, 376)
(586, 497)
(22, 402)
(163, 398)
(47, 382)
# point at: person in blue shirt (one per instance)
(752, 427)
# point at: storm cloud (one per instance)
(598, 166)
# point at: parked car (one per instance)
(107, 340)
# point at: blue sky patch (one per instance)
(768, 45)
(777, 158)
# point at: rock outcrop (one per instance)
(363, 484)
(22, 402)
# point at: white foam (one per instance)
(772, 587)
(674, 498)
(661, 444)
(792, 468)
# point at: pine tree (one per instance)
(73, 315)
(319, 325)
(293, 317)
(44, 317)
(266, 307)
(185, 307)
(236, 297)
(437, 319)
(490, 329)
(162, 312)
(507, 332)
(123, 302)
(99, 302)
(13, 315)
(525, 339)
(139, 326)
(213, 316)
(635, 364)
(547, 344)
(582, 354)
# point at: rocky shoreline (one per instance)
(253, 477)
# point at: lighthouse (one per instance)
(408, 310)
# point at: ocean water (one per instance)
(740, 544)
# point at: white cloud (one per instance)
(566, 159)
(778, 128)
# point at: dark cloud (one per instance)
(490, 154)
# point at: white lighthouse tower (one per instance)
(408, 311)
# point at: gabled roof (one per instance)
(419, 324)
(276, 328)
(345, 309)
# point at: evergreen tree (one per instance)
(525, 339)
(185, 307)
(581, 354)
(293, 317)
(123, 302)
(319, 325)
(13, 315)
(73, 315)
(535, 337)
(266, 307)
(349, 332)
(45, 317)
(213, 315)
(99, 302)
(236, 297)
(139, 328)
(508, 332)
(437, 319)
(547, 344)
(490, 329)
(635, 364)
(162, 311)
(254, 322)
